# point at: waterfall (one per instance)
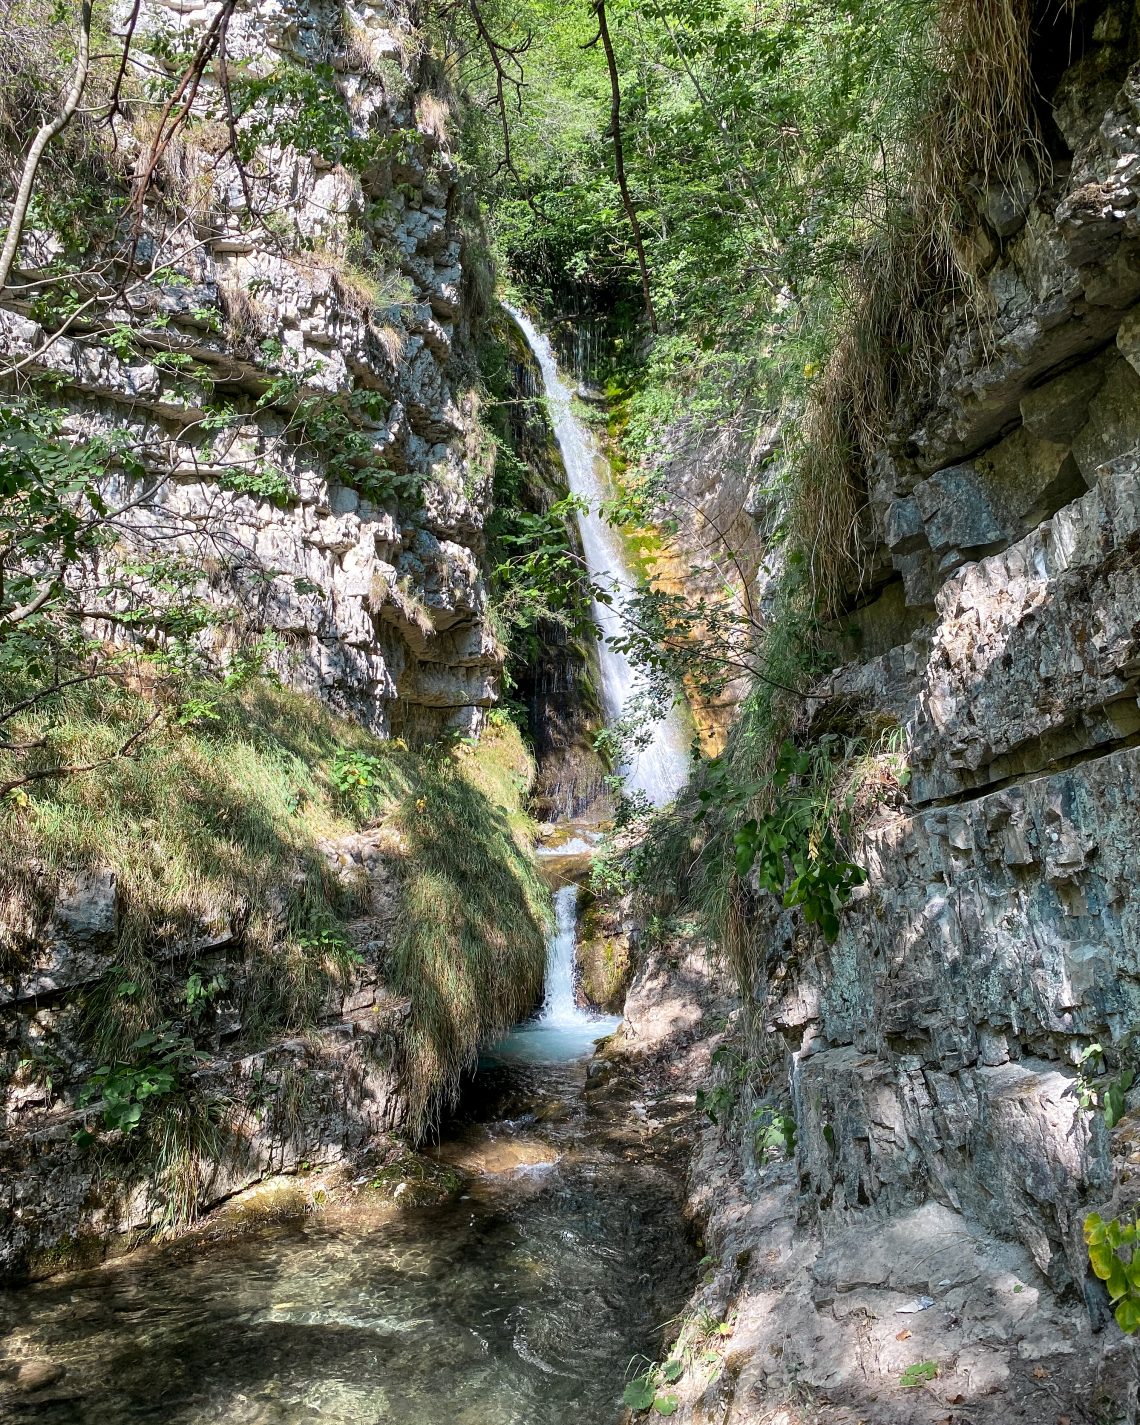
(561, 1031)
(560, 1006)
(659, 769)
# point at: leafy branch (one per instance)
(792, 849)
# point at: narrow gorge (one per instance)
(569, 712)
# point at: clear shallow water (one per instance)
(538, 1043)
(520, 1304)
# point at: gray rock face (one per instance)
(935, 1041)
(933, 1049)
(1033, 655)
(1039, 391)
(835, 1310)
(994, 940)
(372, 346)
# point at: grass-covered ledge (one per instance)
(233, 927)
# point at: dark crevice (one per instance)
(1047, 769)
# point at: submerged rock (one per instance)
(38, 1375)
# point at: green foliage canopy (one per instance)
(761, 140)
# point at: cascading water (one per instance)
(520, 1302)
(561, 1031)
(559, 1006)
(659, 769)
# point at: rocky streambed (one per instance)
(553, 1254)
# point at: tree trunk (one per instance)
(41, 141)
(619, 159)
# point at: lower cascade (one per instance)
(562, 1030)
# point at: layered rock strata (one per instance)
(938, 1053)
(937, 1041)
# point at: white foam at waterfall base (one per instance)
(562, 1030)
(661, 768)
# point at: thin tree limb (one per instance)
(41, 141)
(127, 749)
(496, 50)
(599, 7)
(57, 687)
(182, 100)
(115, 104)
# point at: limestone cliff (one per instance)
(932, 1051)
(293, 372)
(295, 363)
(995, 938)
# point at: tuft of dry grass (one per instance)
(393, 340)
(219, 831)
(365, 288)
(433, 116)
(471, 947)
(246, 317)
(978, 129)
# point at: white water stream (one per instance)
(562, 1030)
(661, 768)
(560, 1007)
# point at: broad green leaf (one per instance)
(917, 1374)
(639, 1393)
(1128, 1315)
(1101, 1258)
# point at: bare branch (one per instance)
(180, 103)
(25, 611)
(115, 102)
(503, 56)
(38, 697)
(231, 121)
(127, 749)
(41, 141)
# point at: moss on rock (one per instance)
(605, 957)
